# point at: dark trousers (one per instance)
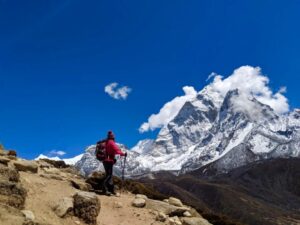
(108, 184)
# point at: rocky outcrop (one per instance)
(12, 194)
(26, 166)
(55, 163)
(9, 173)
(87, 206)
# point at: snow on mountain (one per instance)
(223, 126)
(143, 146)
(69, 161)
(41, 156)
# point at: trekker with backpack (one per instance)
(108, 159)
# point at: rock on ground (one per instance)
(166, 208)
(28, 215)
(87, 206)
(64, 207)
(161, 217)
(26, 166)
(139, 202)
(195, 221)
(175, 202)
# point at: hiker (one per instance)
(111, 149)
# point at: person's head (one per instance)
(110, 135)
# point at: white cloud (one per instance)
(243, 103)
(55, 152)
(250, 82)
(213, 74)
(117, 93)
(168, 111)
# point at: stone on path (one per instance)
(87, 206)
(139, 202)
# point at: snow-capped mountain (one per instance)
(69, 161)
(88, 163)
(226, 131)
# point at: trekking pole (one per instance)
(123, 173)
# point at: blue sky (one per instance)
(56, 57)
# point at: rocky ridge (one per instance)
(44, 193)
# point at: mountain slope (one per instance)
(263, 192)
(228, 130)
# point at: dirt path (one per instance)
(44, 193)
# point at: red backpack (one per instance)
(100, 150)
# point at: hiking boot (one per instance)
(107, 193)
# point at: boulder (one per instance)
(166, 208)
(194, 221)
(12, 194)
(64, 207)
(87, 206)
(26, 166)
(28, 215)
(175, 202)
(8, 173)
(83, 186)
(139, 203)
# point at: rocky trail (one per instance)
(45, 193)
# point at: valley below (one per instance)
(264, 192)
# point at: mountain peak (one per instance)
(227, 131)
